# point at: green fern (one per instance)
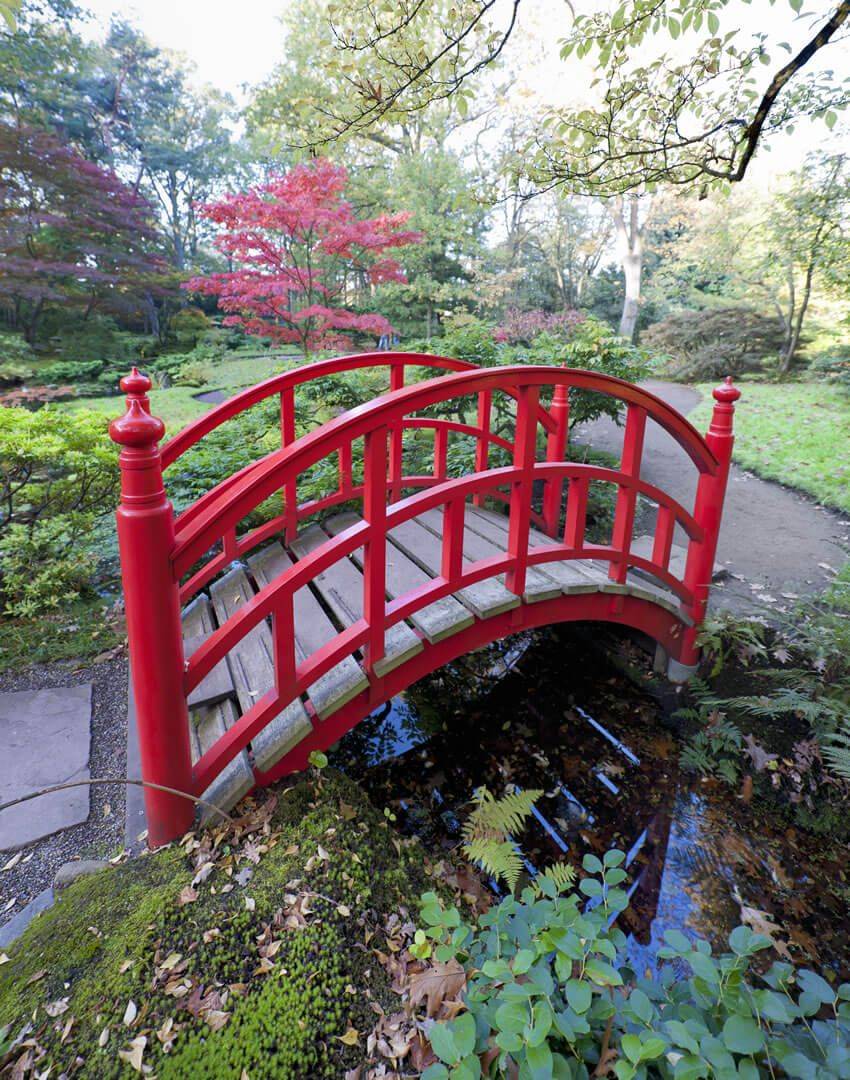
(499, 817)
(561, 874)
(836, 751)
(498, 858)
(487, 832)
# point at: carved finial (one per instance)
(136, 427)
(726, 392)
(135, 383)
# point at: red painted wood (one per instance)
(146, 539)
(375, 552)
(624, 513)
(525, 447)
(556, 450)
(155, 555)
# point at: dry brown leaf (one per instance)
(350, 1038)
(36, 976)
(188, 895)
(130, 1013)
(216, 1018)
(435, 984)
(56, 1008)
(134, 1055)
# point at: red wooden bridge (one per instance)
(250, 647)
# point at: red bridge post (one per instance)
(151, 596)
(708, 511)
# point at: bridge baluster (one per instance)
(441, 453)
(576, 522)
(151, 596)
(624, 514)
(663, 544)
(482, 448)
(525, 448)
(346, 471)
(287, 436)
(283, 640)
(708, 508)
(396, 439)
(375, 550)
(556, 449)
(453, 525)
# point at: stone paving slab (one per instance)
(45, 737)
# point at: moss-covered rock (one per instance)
(260, 966)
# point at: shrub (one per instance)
(189, 325)
(193, 368)
(522, 327)
(711, 344)
(16, 359)
(58, 475)
(547, 996)
(833, 366)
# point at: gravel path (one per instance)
(776, 543)
(102, 835)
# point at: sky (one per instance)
(234, 45)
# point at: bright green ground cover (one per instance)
(796, 433)
(177, 406)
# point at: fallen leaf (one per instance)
(188, 895)
(322, 853)
(130, 1013)
(36, 976)
(216, 1018)
(103, 1038)
(134, 1055)
(350, 1037)
(56, 1008)
(13, 861)
(435, 984)
(171, 961)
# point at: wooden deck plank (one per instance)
(484, 598)
(212, 713)
(678, 556)
(313, 629)
(197, 626)
(581, 575)
(253, 674)
(437, 621)
(237, 777)
(341, 588)
(574, 576)
(538, 586)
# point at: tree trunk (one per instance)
(630, 243)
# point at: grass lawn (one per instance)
(177, 406)
(796, 433)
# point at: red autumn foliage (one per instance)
(302, 258)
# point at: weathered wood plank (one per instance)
(581, 575)
(678, 556)
(574, 576)
(253, 674)
(212, 714)
(477, 546)
(313, 629)
(484, 598)
(437, 621)
(341, 588)
(237, 778)
(197, 626)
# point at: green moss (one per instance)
(78, 632)
(326, 839)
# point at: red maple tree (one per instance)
(302, 258)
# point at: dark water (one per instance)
(549, 710)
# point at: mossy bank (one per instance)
(242, 952)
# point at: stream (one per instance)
(550, 710)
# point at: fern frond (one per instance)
(561, 874)
(498, 858)
(494, 817)
(836, 751)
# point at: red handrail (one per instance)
(155, 554)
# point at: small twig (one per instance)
(119, 780)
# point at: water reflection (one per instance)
(547, 710)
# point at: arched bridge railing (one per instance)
(158, 552)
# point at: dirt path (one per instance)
(772, 537)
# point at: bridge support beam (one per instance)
(708, 510)
(151, 596)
